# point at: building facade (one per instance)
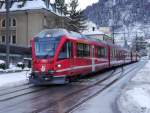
(26, 23)
(27, 19)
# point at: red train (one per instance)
(58, 55)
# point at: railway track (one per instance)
(5, 93)
(67, 97)
(99, 91)
(14, 94)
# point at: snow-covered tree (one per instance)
(77, 22)
(61, 5)
(140, 45)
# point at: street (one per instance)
(100, 90)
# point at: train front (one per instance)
(44, 47)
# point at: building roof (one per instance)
(30, 5)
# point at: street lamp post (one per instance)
(7, 33)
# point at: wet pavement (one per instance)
(58, 98)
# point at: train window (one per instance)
(83, 50)
(66, 51)
(86, 50)
(80, 50)
(111, 53)
(114, 53)
(101, 52)
(105, 52)
(98, 52)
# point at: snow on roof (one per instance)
(2, 62)
(52, 33)
(58, 32)
(96, 32)
(32, 4)
(89, 31)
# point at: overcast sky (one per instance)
(83, 3)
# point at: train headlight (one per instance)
(43, 68)
(59, 65)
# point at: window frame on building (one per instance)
(12, 41)
(3, 23)
(3, 41)
(13, 21)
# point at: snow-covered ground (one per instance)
(136, 96)
(106, 101)
(13, 79)
(13, 76)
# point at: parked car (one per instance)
(2, 64)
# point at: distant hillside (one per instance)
(123, 12)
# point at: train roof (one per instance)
(70, 34)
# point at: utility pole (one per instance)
(136, 42)
(113, 23)
(7, 2)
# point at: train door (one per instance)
(93, 60)
(71, 58)
(108, 56)
(65, 57)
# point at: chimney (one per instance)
(93, 28)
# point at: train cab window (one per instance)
(66, 51)
(45, 47)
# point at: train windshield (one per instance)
(45, 47)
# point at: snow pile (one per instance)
(136, 96)
(135, 100)
(143, 75)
